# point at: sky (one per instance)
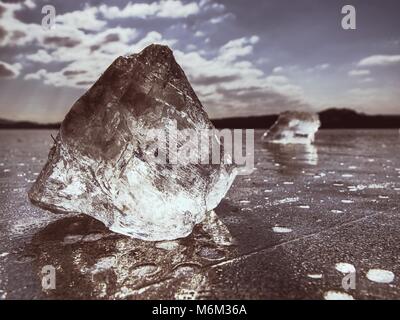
(243, 58)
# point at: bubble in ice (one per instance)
(278, 229)
(286, 200)
(71, 239)
(167, 245)
(337, 295)
(347, 201)
(315, 276)
(103, 264)
(211, 253)
(380, 276)
(378, 186)
(144, 270)
(3, 295)
(344, 267)
(93, 237)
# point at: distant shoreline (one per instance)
(330, 119)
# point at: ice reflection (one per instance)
(293, 157)
(92, 262)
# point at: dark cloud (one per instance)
(112, 37)
(13, 1)
(73, 72)
(3, 33)
(248, 94)
(94, 47)
(259, 101)
(61, 41)
(2, 10)
(16, 35)
(84, 83)
(210, 80)
(6, 72)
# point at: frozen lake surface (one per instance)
(293, 229)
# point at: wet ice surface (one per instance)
(339, 199)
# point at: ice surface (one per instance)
(293, 127)
(102, 163)
(365, 233)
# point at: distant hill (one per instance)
(330, 119)
(348, 119)
(9, 124)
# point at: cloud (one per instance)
(9, 70)
(57, 46)
(367, 80)
(319, 67)
(278, 80)
(323, 66)
(237, 48)
(83, 45)
(30, 4)
(61, 41)
(85, 19)
(363, 98)
(380, 60)
(73, 72)
(91, 57)
(208, 5)
(40, 74)
(204, 80)
(96, 52)
(228, 83)
(161, 9)
(359, 73)
(3, 34)
(257, 101)
(68, 32)
(12, 31)
(199, 34)
(41, 56)
(222, 18)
